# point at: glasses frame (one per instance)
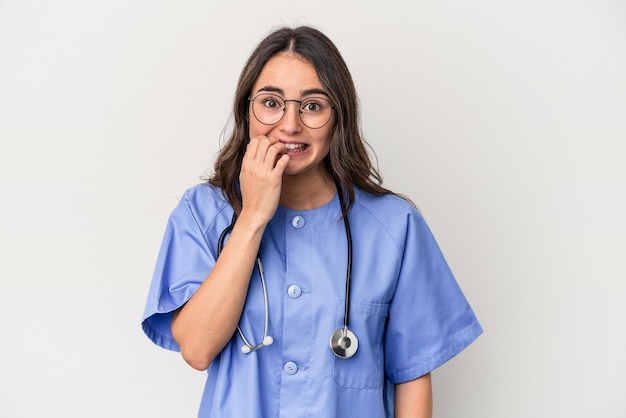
(252, 99)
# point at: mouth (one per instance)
(295, 148)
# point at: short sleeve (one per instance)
(430, 320)
(184, 261)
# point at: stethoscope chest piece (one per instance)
(344, 343)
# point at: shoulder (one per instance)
(203, 194)
(391, 213)
(383, 202)
(384, 207)
(203, 203)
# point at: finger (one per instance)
(262, 150)
(261, 145)
(251, 149)
(281, 164)
(274, 152)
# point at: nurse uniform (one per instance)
(406, 308)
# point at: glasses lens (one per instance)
(268, 109)
(314, 112)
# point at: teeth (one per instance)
(294, 147)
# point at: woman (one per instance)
(330, 297)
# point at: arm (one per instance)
(205, 324)
(414, 399)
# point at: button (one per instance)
(290, 367)
(297, 222)
(294, 291)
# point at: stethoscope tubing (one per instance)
(346, 223)
(267, 340)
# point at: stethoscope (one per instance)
(343, 342)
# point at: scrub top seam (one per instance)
(382, 225)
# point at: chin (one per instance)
(294, 170)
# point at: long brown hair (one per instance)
(348, 161)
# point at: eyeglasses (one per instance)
(269, 109)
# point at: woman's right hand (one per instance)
(260, 178)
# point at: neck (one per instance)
(307, 192)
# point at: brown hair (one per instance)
(348, 161)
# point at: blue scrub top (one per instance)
(406, 308)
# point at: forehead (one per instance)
(287, 72)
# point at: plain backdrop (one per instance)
(503, 120)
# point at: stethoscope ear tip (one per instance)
(247, 349)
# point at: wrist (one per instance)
(251, 223)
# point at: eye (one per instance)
(272, 102)
(313, 105)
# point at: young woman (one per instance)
(300, 283)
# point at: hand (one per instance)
(261, 177)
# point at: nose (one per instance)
(291, 122)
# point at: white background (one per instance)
(503, 120)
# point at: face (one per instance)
(290, 77)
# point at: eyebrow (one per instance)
(280, 91)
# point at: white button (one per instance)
(297, 222)
(294, 291)
(290, 367)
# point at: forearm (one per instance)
(414, 399)
(205, 324)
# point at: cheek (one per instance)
(327, 138)
(256, 128)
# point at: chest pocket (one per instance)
(365, 370)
